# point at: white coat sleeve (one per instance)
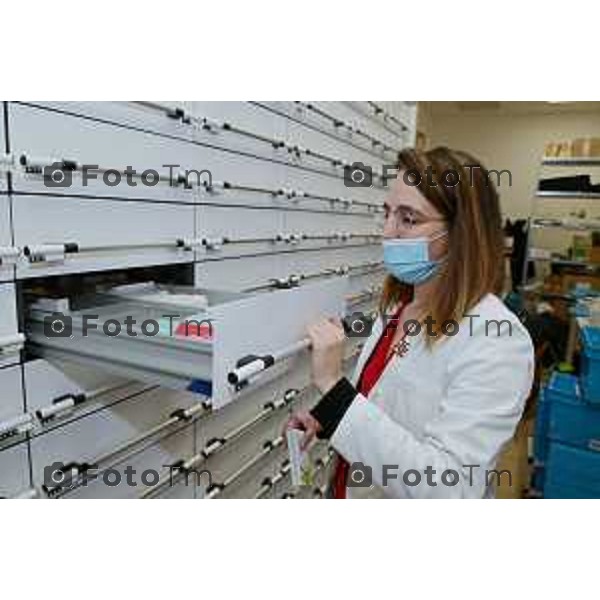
(489, 380)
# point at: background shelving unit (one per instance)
(546, 217)
(582, 215)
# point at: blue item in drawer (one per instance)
(572, 473)
(590, 363)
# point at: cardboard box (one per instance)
(569, 280)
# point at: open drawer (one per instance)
(207, 341)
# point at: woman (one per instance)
(441, 382)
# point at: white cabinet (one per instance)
(271, 204)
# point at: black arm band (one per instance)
(332, 407)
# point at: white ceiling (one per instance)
(510, 108)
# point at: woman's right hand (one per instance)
(304, 421)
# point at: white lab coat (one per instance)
(455, 405)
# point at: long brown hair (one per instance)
(474, 264)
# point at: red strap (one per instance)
(371, 373)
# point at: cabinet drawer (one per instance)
(239, 273)
(8, 254)
(11, 401)
(243, 114)
(249, 130)
(65, 391)
(10, 341)
(109, 234)
(329, 225)
(248, 230)
(14, 470)
(329, 146)
(127, 330)
(45, 136)
(247, 273)
(313, 261)
(332, 186)
(149, 116)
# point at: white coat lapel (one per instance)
(367, 349)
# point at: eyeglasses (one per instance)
(406, 218)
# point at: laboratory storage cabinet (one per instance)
(222, 229)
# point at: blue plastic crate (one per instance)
(569, 419)
(561, 388)
(559, 491)
(572, 472)
(590, 363)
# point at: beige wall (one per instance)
(425, 120)
(515, 142)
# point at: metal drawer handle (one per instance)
(9, 255)
(11, 344)
(59, 406)
(251, 365)
(16, 426)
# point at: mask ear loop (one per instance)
(438, 235)
(434, 238)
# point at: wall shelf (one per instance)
(575, 161)
(579, 195)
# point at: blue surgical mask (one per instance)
(407, 259)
